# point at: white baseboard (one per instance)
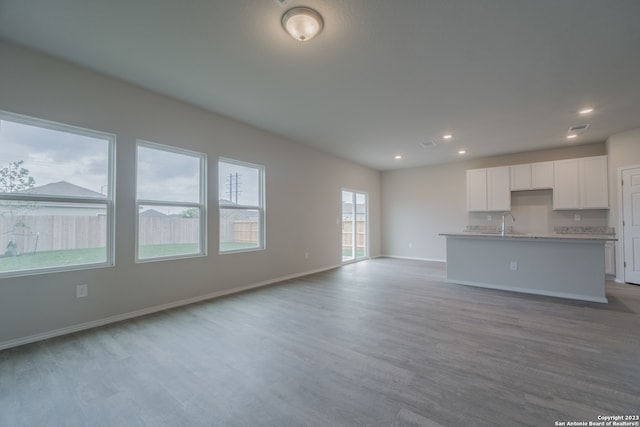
(119, 317)
(414, 258)
(530, 291)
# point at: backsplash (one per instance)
(585, 230)
(534, 213)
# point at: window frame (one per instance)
(201, 205)
(108, 201)
(354, 227)
(261, 208)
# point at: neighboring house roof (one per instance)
(225, 202)
(235, 214)
(152, 213)
(64, 188)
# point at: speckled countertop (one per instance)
(560, 233)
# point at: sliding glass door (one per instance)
(355, 238)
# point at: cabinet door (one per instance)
(566, 194)
(520, 177)
(477, 190)
(541, 175)
(609, 259)
(498, 189)
(594, 191)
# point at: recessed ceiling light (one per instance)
(398, 157)
(586, 110)
(571, 136)
(447, 136)
(462, 151)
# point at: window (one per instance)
(56, 196)
(171, 202)
(241, 200)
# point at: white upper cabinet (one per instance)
(477, 190)
(532, 176)
(498, 189)
(581, 183)
(576, 183)
(521, 177)
(488, 189)
(594, 191)
(542, 175)
(566, 188)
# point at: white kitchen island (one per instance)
(559, 265)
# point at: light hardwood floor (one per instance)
(379, 343)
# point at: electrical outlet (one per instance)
(306, 255)
(82, 290)
(577, 217)
(489, 217)
(410, 245)
(514, 265)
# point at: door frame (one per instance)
(367, 227)
(620, 273)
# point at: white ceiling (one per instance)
(501, 75)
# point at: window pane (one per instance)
(168, 176)
(40, 160)
(171, 219)
(238, 184)
(37, 235)
(239, 229)
(45, 161)
(167, 231)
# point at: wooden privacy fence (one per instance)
(37, 233)
(52, 232)
(347, 227)
(245, 231)
(159, 231)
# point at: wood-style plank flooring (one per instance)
(383, 342)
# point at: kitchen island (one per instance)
(559, 265)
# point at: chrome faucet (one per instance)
(502, 228)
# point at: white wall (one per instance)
(421, 202)
(302, 192)
(624, 151)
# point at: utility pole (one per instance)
(234, 186)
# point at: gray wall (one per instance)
(421, 202)
(624, 151)
(302, 189)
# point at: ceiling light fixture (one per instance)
(302, 23)
(462, 151)
(586, 111)
(398, 157)
(447, 136)
(571, 136)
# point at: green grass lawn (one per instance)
(175, 249)
(70, 257)
(237, 246)
(348, 253)
(49, 259)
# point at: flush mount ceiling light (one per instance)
(586, 111)
(302, 23)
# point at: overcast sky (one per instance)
(52, 156)
(168, 176)
(247, 183)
